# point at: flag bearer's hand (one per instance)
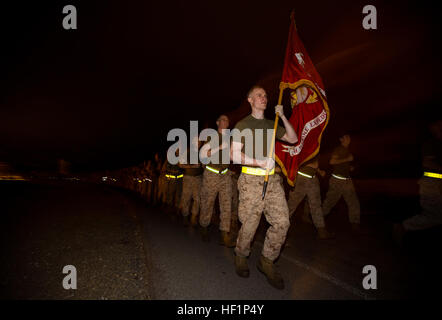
(279, 109)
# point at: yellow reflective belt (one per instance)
(217, 171)
(256, 171)
(339, 177)
(174, 177)
(305, 174)
(433, 175)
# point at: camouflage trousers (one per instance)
(346, 189)
(251, 207)
(214, 184)
(430, 192)
(235, 199)
(307, 187)
(173, 188)
(191, 190)
(151, 191)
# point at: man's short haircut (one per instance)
(221, 115)
(256, 86)
(344, 133)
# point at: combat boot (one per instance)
(204, 234)
(226, 240)
(186, 221)
(241, 266)
(267, 267)
(323, 234)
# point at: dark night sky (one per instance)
(106, 95)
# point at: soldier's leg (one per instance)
(296, 195)
(277, 215)
(178, 192)
(171, 190)
(154, 190)
(196, 195)
(149, 191)
(431, 204)
(249, 211)
(314, 201)
(333, 195)
(235, 201)
(186, 195)
(208, 196)
(351, 198)
(225, 202)
(163, 190)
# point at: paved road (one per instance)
(126, 249)
(187, 268)
(46, 226)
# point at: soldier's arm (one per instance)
(290, 135)
(335, 159)
(205, 150)
(239, 157)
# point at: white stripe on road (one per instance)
(326, 276)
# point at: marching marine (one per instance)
(250, 185)
(341, 184)
(307, 185)
(217, 181)
(192, 181)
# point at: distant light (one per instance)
(104, 178)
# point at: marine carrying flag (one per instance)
(310, 113)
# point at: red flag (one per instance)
(310, 112)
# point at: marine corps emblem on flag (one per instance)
(310, 112)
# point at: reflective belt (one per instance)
(217, 171)
(174, 177)
(433, 175)
(339, 177)
(256, 171)
(305, 174)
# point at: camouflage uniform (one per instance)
(340, 184)
(430, 191)
(214, 184)
(235, 199)
(345, 188)
(309, 187)
(251, 206)
(191, 189)
(162, 184)
(174, 185)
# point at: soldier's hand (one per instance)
(268, 163)
(321, 172)
(279, 109)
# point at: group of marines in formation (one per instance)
(191, 189)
